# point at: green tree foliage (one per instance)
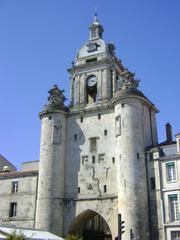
(74, 237)
(15, 236)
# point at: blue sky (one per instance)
(40, 38)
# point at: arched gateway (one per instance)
(90, 225)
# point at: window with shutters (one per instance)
(174, 208)
(175, 235)
(171, 172)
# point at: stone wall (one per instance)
(25, 197)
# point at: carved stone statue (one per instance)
(56, 96)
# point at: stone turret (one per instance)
(135, 130)
(96, 29)
(49, 213)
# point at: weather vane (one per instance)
(95, 8)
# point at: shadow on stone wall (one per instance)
(73, 161)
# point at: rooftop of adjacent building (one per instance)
(29, 168)
(6, 163)
(169, 147)
(28, 232)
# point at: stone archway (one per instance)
(91, 226)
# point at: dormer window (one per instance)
(178, 142)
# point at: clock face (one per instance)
(91, 81)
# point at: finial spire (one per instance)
(95, 20)
(96, 28)
(95, 15)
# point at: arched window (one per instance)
(91, 88)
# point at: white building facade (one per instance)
(101, 167)
(164, 187)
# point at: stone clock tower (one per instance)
(92, 164)
(95, 70)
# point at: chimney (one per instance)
(169, 133)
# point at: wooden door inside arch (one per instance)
(91, 226)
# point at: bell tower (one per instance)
(95, 70)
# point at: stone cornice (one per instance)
(96, 198)
(47, 112)
(92, 64)
(95, 108)
(11, 175)
(142, 99)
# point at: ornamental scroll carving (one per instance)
(126, 80)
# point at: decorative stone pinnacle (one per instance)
(95, 20)
(56, 96)
(96, 29)
(95, 17)
(128, 81)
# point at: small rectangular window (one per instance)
(118, 126)
(105, 188)
(79, 189)
(93, 159)
(171, 172)
(174, 208)
(99, 116)
(113, 159)
(57, 134)
(122, 105)
(75, 137)
(14, 187)
(138, 156)
(85, 160)
(13, 209)
(153, 183)
(101, 158)
(105, 132)
(91, 60)
(81, 119)
(93, 33)
(93, 144)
